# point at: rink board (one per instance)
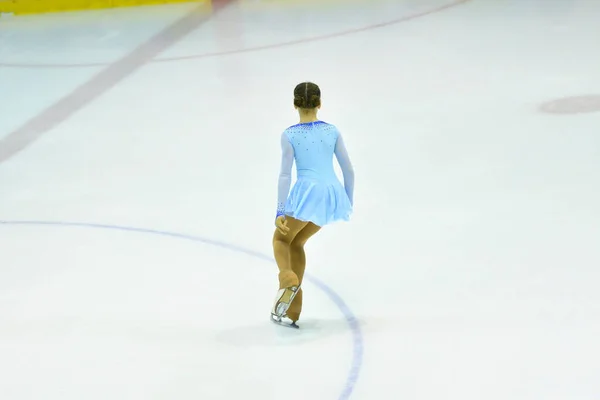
(20, 7)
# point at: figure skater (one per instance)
(316, 199)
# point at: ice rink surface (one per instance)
(139, 157)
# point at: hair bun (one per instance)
(299, 101)
(314, 101)
(307, 95)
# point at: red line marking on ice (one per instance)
(257, 48)
(102, 82)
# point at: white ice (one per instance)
(471, 262)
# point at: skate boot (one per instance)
(282, 302)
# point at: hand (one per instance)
(281, 224)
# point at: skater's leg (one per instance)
(288, 280)
(294, 310)
(298, 264)
(281, 250)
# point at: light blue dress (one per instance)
(317, 196)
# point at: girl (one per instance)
(317, 198)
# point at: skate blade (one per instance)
(279, 321)
(283, 303)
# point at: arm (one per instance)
(347, 170)
(285, 173)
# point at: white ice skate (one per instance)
(282, 302)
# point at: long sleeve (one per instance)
(347, 169)
(285, 173)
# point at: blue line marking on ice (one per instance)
(353, 324)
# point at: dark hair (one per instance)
(307, 95)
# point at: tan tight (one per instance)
(291, 259)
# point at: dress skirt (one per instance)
(317, 201)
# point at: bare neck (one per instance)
(308, 116)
